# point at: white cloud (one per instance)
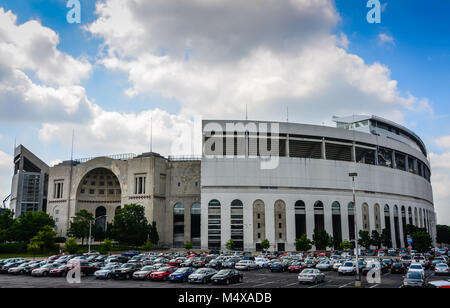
(37, 81)
(443, 142)
(386, 39)
(226, 54)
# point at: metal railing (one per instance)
(126, 156)
(185, 158)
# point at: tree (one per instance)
(230, 245)
(6, 223)
(71, 246)
(421, 241)
(364, 239)
(443, 234)
(106, 245)
(386, 239)
(265, 244)
(188, 245)
(411, 229)
(153, 233)
(130, 225)
(45, 240)
(303, 243)
(322, 240)
(79, 226)
(345, 245)
(147, 246)
(29, 224)
(376, 239)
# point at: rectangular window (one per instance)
(139, 182)
(58, 190)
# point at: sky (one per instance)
(169, 62)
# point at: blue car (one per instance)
(131, 253)
(181, 274)
(278, 266)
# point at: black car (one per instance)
(217, 264)
(398, 268)
(126, 271)
(230, 263)
(227, 276)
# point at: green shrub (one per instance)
(147, 246)
(71, 246)
(13, 248)
(188, 245)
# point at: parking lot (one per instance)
(261, 278)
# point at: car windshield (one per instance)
(47, 266)
(441, 265)
(406, 258)
(224, 272)
(201, 271)
(414, 276)
(415, 267)
(62, 267)
(146, 269)
(182, 270)
(308, 271)
(398, 264)
(348, 264)
(127, 265)
(163, 269)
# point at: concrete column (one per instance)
(344, 221)
(392, 220)
(353, 152)
(270, 222)
(407, 163)
(324, 152)
(204, 223)
(400, 228)
(309, 205)
(394, 165)
(382, 217)
(359, 217)
(290, 225)
(327, 217)
(225, 222)
(287, 146)
(248, 225)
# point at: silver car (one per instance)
(441, 269)
(311, 275)
(246, 265)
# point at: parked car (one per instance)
(106, 272)
(262, 262)
(277, 266)
(398, 268)
(231, 262)
(413, 280)
(417, 267)
(125, 271)
(144, 273)
(296, 267)
(246, 265)
(441, 269)
(18, 270)
(202, 275)
(44, 270)
(347, 268)
(311, 275)
(227, 276)
(181, 274)
(162, 273)
(60, 271)
(131, 253)
(325, 266)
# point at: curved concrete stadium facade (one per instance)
(255, 180)
(307, 186)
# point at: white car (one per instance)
(246, 265)
(325, 265)
(347, 268)
(417, 267)
(441, 269)
(381, 254)
(262, 262)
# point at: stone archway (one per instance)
(99, 192)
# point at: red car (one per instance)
(296, 267)
(176, 262)
(53, 258)
(163, 273)
(60, 271)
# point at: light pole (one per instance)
(90, 228)
(358, 277)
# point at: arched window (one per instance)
(178, 225)
(351, 220)
(410, 218)
(100, 215)
(300, 218)
(336, 220)
(237, 224)
(319, 221)
(195, 225)
(214, 225)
